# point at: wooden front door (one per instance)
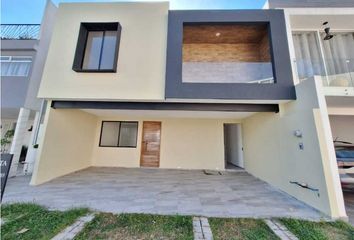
(150, 145)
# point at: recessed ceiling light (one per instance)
(217, 34)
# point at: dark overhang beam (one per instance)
(220, 107)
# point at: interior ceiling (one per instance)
(315, 21)
(230, 34)
(167, 114)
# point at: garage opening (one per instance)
(233, 146)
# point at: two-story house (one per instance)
(23, 53)
(135, 85)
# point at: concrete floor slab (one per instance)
(162, 191)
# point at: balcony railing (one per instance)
(340, 73)
(227, 72)
(336, 72)
(19, 31)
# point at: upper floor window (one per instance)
(97, 47)
(15, 66)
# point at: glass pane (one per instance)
(20, 69)
(308, 55)
(128, 133)
(109, 135)
(93, 50)
(5, 68)
(339, 57)
(4, 58)
(108, 50)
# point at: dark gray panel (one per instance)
(282, 89)
(222, 107)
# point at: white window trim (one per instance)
(13, 59)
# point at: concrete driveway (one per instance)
(161, 191)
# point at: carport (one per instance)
(191, 137)
(162, 191)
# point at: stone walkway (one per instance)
(70, 232)
(201, 229)
(161, 191)
(280, 230)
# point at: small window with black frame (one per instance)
(97, 47)
(119, 134)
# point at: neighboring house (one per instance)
(137, 85)
(23, 52)
(321, 43)
(331, 59)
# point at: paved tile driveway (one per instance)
(235, 194)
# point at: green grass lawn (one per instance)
(137, 226)
(240, 229)
(306, 230)
(30, 221)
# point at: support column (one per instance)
(17, 141)
(32, 152)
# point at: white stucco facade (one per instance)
(142, 53)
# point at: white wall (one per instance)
(342, 127)
(67, 144)
(272, 153)
(185, 144)
(192, 144)
(71, 143)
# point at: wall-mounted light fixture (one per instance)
(327, 31)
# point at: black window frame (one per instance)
(120, 125)
(85, 28)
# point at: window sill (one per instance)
(116, 146)
(96, 71)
